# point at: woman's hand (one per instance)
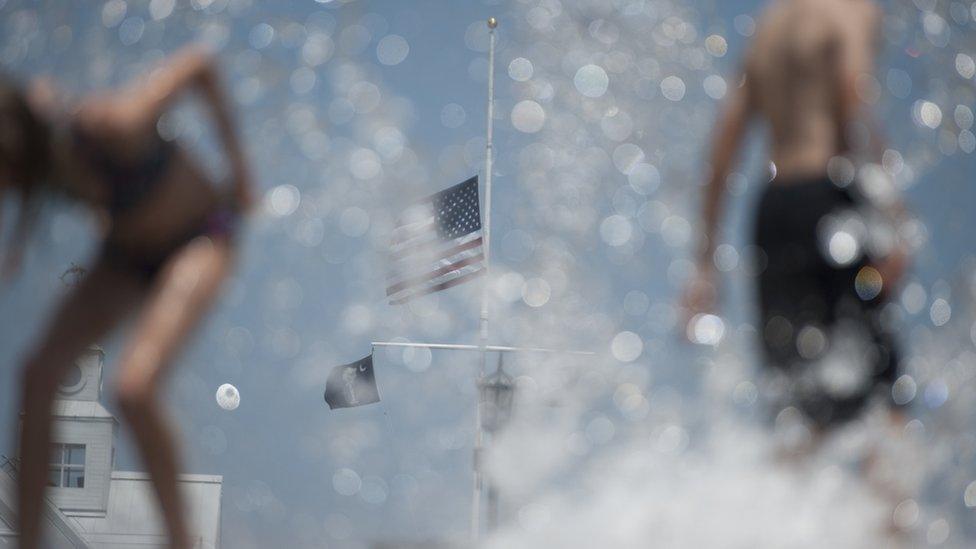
(700, 295)
(892, 269)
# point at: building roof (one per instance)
(188, 479)
(60, 529)
(81, 409)
(132, 516)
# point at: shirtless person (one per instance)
(802, 76)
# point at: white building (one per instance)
(90, 505)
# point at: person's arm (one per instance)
(192, 68)
(44, 99)
(729, 132)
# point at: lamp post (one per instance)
(496, 396)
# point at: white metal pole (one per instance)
(486, 280)
(489, 153)
(492, 348)
(476, 479)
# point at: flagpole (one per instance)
(479, 436)
(489, 153)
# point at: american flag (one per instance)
(437, 244)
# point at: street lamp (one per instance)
(496, 393)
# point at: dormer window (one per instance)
(67, 469)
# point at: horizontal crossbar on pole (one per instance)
(494, 348)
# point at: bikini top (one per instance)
(129, 180)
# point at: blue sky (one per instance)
(308, 291)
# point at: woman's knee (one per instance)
(135, 395)
(135, 388)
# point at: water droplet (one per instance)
(627, 346)
(354, 221)
(744, 25)
(365, 164)
(284, 200)
(261, 36)
(392, 50)
(673, 88)
(528, 116)
(453, 115)
(417, 359)
(715, 86)
(706, 329)
(536, 292)
(716, 45)
(520, 69)
(346, 482)
(868, 283)
(965, 66)
(616, 230)
(591, 81)
(843, 248)
(927, 113)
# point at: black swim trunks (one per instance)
(820, 321)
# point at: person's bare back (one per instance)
(805, 56)
(804, 74)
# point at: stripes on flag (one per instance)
(437, 244)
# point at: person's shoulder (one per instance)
(875, 13)
(860, 11)
(770, 15)
(873, 8)
(868, 9)
(766, 22)
(854, 17)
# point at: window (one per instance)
(74, 381)
(67, 469)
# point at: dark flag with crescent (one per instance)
(351, 385)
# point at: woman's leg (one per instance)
(102, 298)
(182, 293)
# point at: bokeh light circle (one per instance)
(591, 81)
(520, 69)
(706, 329)
(392, 50)
(528, 116)
(868, 283)
(536, 292)
(453, 115)
(627, 346)
(673, 88)
(346, 482)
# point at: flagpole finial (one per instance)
(492, 22)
